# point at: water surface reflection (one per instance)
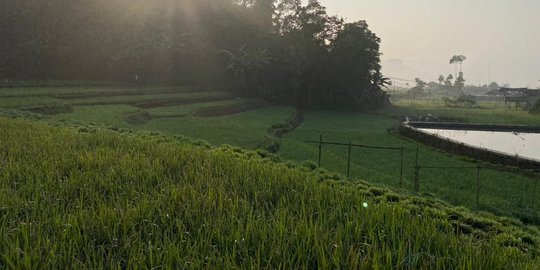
(525, 145)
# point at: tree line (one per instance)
(285, 51)
(453, 85)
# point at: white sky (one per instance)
(420, 36)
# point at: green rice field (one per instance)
(95, 198)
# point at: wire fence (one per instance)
(418, 168)
(350, 145)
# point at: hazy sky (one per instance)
(420, 36)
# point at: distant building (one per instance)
(520, 97)
(494, 92)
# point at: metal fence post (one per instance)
(417, 173)
(401, 169)
(320, 149)
(349, 161)
(417, 179)
(478, 186)
(534, 193)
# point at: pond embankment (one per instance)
(417, 131)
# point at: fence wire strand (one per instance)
(418, 167)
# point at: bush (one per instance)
(310, 165)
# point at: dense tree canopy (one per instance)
(280, 50)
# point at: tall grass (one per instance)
(98, 199)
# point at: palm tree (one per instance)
(246, 65)
(458, 59)
(460, 83)
(381, 81)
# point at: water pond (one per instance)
(524, 145)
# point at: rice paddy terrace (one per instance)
(125, 187)
(87, 197)
(218, 117)
(173, 110)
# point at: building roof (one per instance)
(520, 91)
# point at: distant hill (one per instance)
(400, 69)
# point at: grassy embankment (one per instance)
(86, 198)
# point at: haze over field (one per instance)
(420, 36)
(264, 134)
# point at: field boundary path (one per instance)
(276, 132)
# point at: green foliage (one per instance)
(312, 60)
(289, 51)
(103, 199)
